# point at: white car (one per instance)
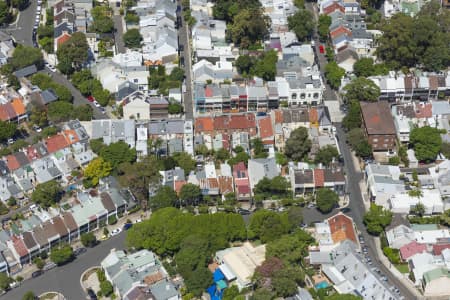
(116, 231)
(138, 221)
(96, 104)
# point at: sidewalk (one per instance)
(402, 277)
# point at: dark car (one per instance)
(244, 211)
(91, 294)
(79, 251)
(37, 273)
(127, 226)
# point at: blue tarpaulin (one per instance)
(218, 275)
(216, 289)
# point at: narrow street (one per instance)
(118, 34)
(22, 29)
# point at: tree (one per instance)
(29, 296)
(59, 111)
(83, 112)
(61, 255)
(177, 74)
(5, 16)
(20, 4)
(75, 50)
(326, 155)
(258, 148)
(39, 262)
(334, 74)
(38, 116)
(175, 108)
(355, 137)
(184, 161)
(427, 142)
(165, 197)
(106, 288)
(323, 27)
(190, 193)
(298, 144)
(96, 145)
(103, 22)
(132, 38)
(97, 169)
(117, 153)
(365, 67)
(24, 56)
(363, 149)
(276, 186)
(12, 201)
(5, 281)
(103, 96)
(285, 281)
(244, 64)
(265, 67)
(88, 239)
(445, 149)
(239, 157)
(376, 219)
(249, 26)
(302, 24)
(7, 130)
(326, 200)
(262, 294)
(290, 248)
(418, 209)
(47, 194)
(267, 225)
(361, 89)
(222, 155)
(13, 82)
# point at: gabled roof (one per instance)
(377, 118)
(341, 228)
(59, 226)
(19, 246)
(319, 177)
(438, 248)
(265, 127)
(411, 249)
(64, 37)
(28, 240)
(69, 221)
(18, 106)
(27, 71)
(204, 124)
(107, 202)
(56, 142)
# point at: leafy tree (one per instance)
(7, 130)
(290, 248)
(184, 161)
(269, 187)
(20, 4)
(175, 108)
(230, 293)
(103, 22)
(363, 149)
(12, 201)
(132, 38)
(244, 64)
(239, 157)
(267, 225)
(62, 254)
(29, 296)
(353, 118)
(418, 209)
(285, 281)
(361, 89)
(74, 50)
(59, 111)
(323, 27)
(97, 169)
(427, 142)
(83, 112)
(24, 56)
(258, 148)
(302, 24)
(355, 137)
(117, 153)
(262, 294)
(47, 194)
(49, 131)
(13, 82)
(334, 74)
(39, 262)
(376, 219)
(103, 96)
(43, 81)
(222, 155)
(38, 116)
(5, 281)
(106, 288)
(5, 16)
(326, 200)
(281, 159)
(96, 145)
(298, 144)
(249, 27)
(88, 239)
(265, 67)
(177, 74)
(165, 197)
(326, 154)
(190, 193)
(365, 67)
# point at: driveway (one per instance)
(23, 28)
(66, 279)
(118, 34)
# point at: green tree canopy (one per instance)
(97, 169)
(117, 153)
(29, 296)
(298, 144)
(5, 15)
(427, 142)
(326, 154)
(366, 67)
(59, 111)
(334, 74)
(323, 27)
(184, 161)
(165, 197)
(361, 89)
(103, 22)
(268, 225)
(326, 200)
(5, 281)
(132, 38)
(376, 219)
(47, 194)
(88, 239)
(74, 50)
(353, 118)
(24, 56)
(62, 254)
(302, 24)
(7, 130)
(277, 186)
(337, 296)
(249, 26)
(106, 288)
(190, 194)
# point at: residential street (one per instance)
(357, 210)
(118, 34)
(183, 39)
(23, 28)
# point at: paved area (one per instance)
(118, 33)
(92, 282)
(23, 28)
(183, 39)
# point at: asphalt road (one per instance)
(23, 28)
(183, 39)
(118, 34)
(78, 98)
(66, 279)
(357, 210)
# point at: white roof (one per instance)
(229, 275)
(430, 236)
(431, 199)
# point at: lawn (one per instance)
(403, 268)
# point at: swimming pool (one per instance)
(321, 285)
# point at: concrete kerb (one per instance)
(60, 296)
(84, 273)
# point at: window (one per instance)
(375, 140)
(316, 95)
(294, 96)
(135, 80)
(138, 115)
(302, 95)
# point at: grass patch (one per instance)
(89, 273)
(403, 268)
(48, 296)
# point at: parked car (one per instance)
(91, 294)
(90, 98)
(127, 226)
(79, 251)
(11, 141)
(116, 231)
(243, 211)
(37, 273)
(49, 266)
(37, 128)
(96, 104)
(137, 221)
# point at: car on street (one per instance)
(116, 231)
(243, 211)
(79, 251)
(90, 98)
(137, 221)
(303, 225)
(127, 226)
(104, 238)
(37, 128)
(50, 265)
(103, 110)
(91, 294)
(50, 67)
(11, 141)
(96, 104)
(37, 273)
(311, 205)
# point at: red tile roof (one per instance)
(243, 121)
(204, 124)
(319, 177)
(225, 184)
(32, 153)
(63, 38)
(12, 162)
(56, 142)
(7, 112)
(411, 249)
(265, 128)
(71, 136)
(19, 246)
(278, 116)
(340, 31)
(377, 118)
(178, 184)
(341, 228)
(18, 106)
(331, 8)
(313, 115)
(423, 110)
(438, 248)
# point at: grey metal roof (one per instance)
(166, 127)
(125, 89)
(48, 96)
(63, 27)
(163, 290)
(27, 71)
